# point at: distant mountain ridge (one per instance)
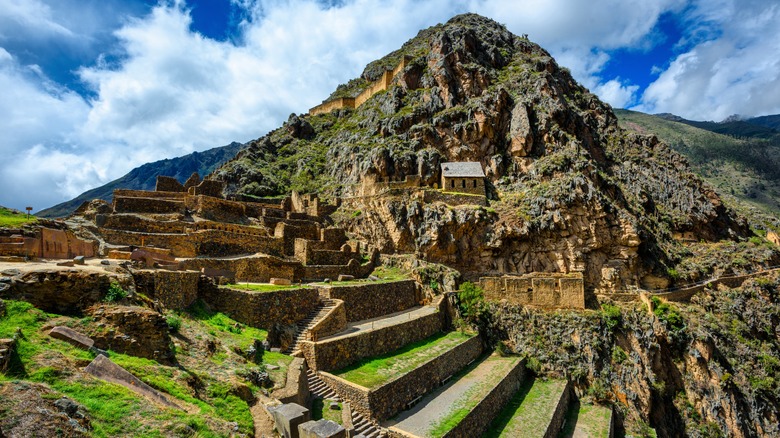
(145, 176)
(765, 127)
(743, 166)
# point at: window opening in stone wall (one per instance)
(463, 183)
(475, 183)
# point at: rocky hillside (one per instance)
(569, 189)
(145, 177)
(738, 166)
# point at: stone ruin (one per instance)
(193, 227)
(540, 289)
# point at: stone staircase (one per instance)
(303, 326)
(365, 427)
(319, 389)
(362, 425)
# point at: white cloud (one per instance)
(174, 91)
(734, 69)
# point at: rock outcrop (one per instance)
(569, 189)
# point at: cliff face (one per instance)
(704, 369)
(569, 189)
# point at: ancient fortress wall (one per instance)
(255, 269)
(125, 193)
(261, 309)
(48, 243)
(387, 400)
(175, 290)
(371, 300)
(382, 84)
(548, 290)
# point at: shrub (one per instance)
(611, 316)
(434, 285)
(115, 293)
(174, 323)
(618, 354)
(668, 315)
(673, 274)
(472, 301)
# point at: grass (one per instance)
(530, 410)
(467, 402)
(116, 411)
(13, 218)
(386, 274)
(377, 371)
(321, 409)
(592, 420)
(262, 287)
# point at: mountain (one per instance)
(757, 128)
(747, 168)
(145, 176)
(554, 155)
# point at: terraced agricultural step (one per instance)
(587, 420)
(537, 409)
(466, 404)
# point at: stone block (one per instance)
(72, 337)
(345, 277)
(6, 350)
(102, 368)
(288, 417)
(79, 260)
(546, 293)
(280, 281)
(322, 429)
(212, 272)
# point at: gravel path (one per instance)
(425, 415)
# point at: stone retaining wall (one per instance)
(175, 290)
(476, 422)
(204, 242)
(370, 300)
(542, 289)
(125, 193)
(258, 269)
(296, 387)
(387, 400)
(261, 309)
(559, 416)
(332, 323)
(454, 198)
(339, 352)
(148, 205)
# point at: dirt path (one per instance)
(437, 406)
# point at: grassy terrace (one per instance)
(12, 218)
(587, 420)
(263, 287)
(384, 273)
(377, 371)
(529, 412)
(488, 375)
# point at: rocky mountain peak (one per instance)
(567, 185)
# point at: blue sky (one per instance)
(93, 88)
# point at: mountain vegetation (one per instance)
(746, 168)
(145, 177)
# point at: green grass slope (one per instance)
(14, 218)
(747, 169)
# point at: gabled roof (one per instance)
(464, 169)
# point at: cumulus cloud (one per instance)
(158, 89)
(732, 67)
